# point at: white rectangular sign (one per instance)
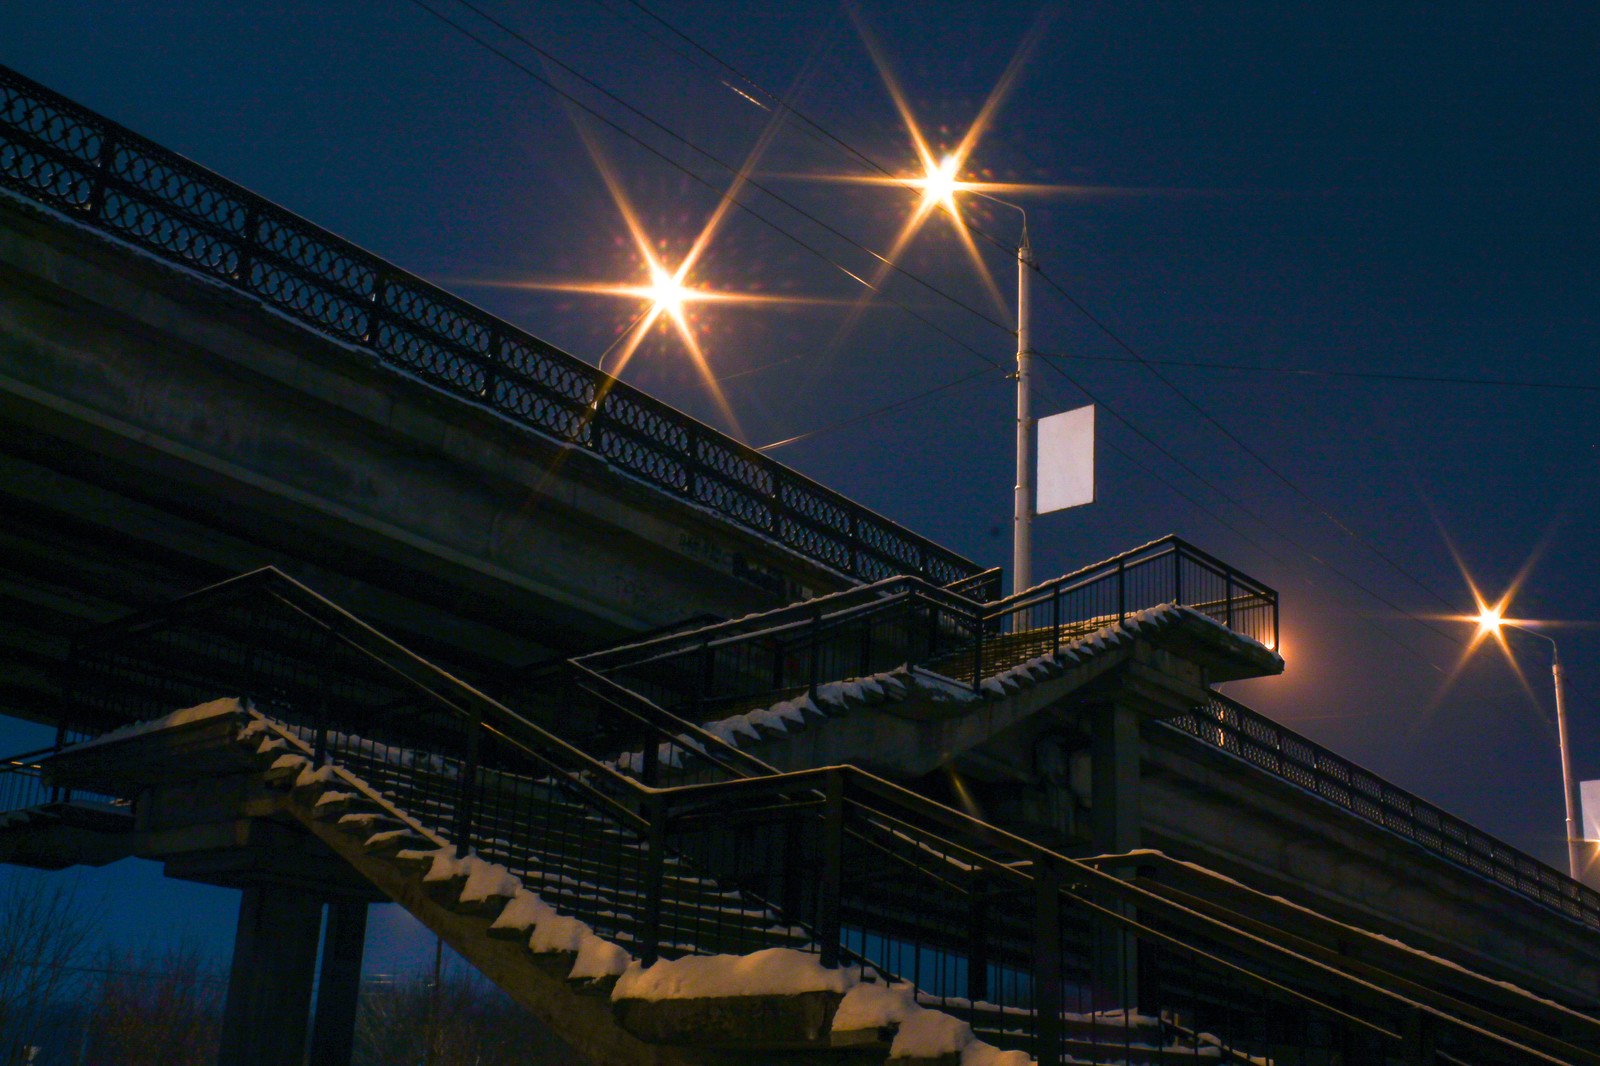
(1589, 820)
(1066, 460)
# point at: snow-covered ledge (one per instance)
(783, 997)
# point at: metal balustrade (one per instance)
(60, 155)
(1266, 745)
(1035, 950)
(21, 785)
(720, 669)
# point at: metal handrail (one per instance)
(829, 794)
(1313, 933)
(1112, 580)
(1270, 746)
(96, 172)
(21, 783)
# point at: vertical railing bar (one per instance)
(1227, 579)
(468, 788)
(829, 921)
(1047, 964)
(816, 652)
(1122, 590)
(1055, 622)
(654, 878)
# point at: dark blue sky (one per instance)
(1389, 187)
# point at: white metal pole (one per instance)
(1022, 512)
(1575, 844)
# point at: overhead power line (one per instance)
(1374, 375)
(1238, 441)
(1208, 483)
(673, 134)
(614, 125)
(875, 412)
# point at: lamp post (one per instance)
(1022, 503)
(1491, 621)
(1022, 493)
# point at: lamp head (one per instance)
(940, 185)
(667, 291)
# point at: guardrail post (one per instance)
(104, 163)
(319, 750)
(692, 466)
(467, 790)
(654, 865)
(828, 919)
(650, 755)
(1122, 595)
(977, 654)
(1055, 622)
(855, 543)
(864, 667)
(977, 938)
(380, 293)
(816, 650)
(1419, 1040)
(1227, 579)
(247, 245)
(791, 900)
(702, 683)
(1047, 969)
(491, 373)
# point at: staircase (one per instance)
(657, 894)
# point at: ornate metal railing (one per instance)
(1263, 743)
(102, 175)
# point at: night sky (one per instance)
(1335, 189)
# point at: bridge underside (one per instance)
(159, 433)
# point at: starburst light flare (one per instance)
(939, 174)
(1490, 619)
(666, 294)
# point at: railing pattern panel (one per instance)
(59, 154)
(1269, 746)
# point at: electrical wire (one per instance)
(1127, 423)
(906, 401)
(1374, 375)
(1356, 583)
(1239, 442)
(693, 147)
(617, 127)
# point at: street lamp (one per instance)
(1022, 493)
(1490, 620)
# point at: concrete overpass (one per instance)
(195, 383)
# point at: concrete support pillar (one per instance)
(1115, 784)
(1115, 828)
(333, 1027)
(269, 985)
